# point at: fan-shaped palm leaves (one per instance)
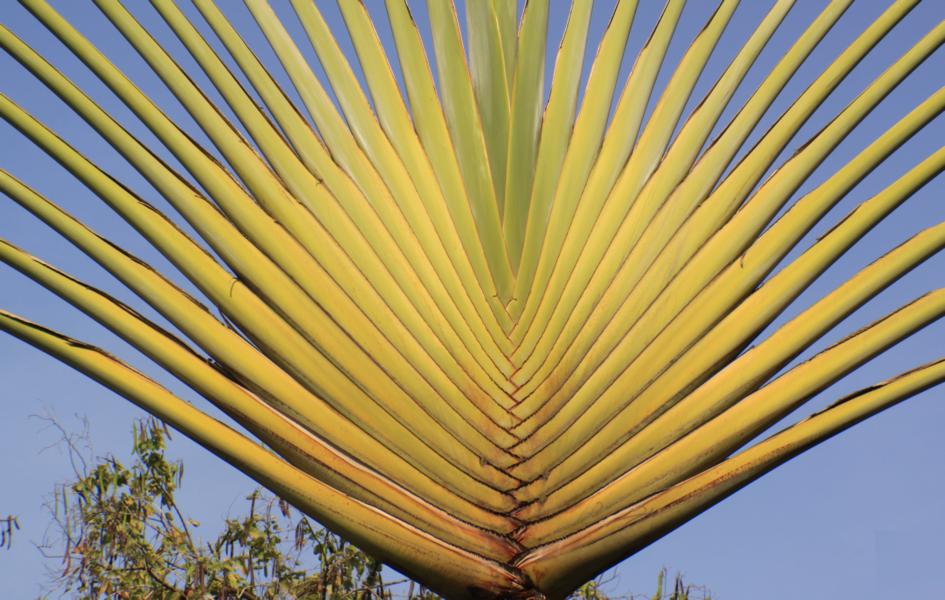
(497, 336)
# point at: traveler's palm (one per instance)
(498, 335)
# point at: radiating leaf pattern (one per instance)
(498, 328)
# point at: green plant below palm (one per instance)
(120, 532)
(499, 342)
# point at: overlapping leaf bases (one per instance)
(492, 332)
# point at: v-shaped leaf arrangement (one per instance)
(496, 336)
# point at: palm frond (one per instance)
(502, 340)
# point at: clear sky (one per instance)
(861, 516)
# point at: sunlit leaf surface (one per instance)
(487, 295)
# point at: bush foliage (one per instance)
(119, 532)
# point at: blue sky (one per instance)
(862, 515)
